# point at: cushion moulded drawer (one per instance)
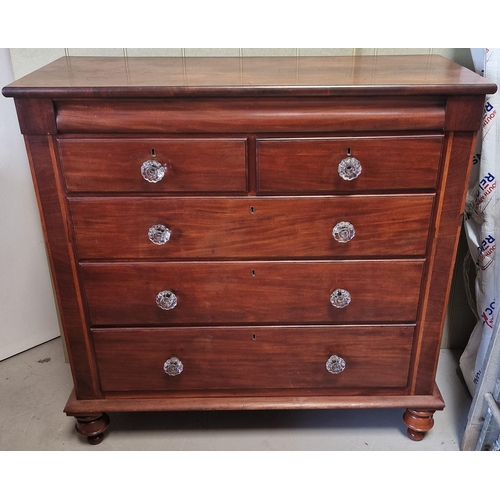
(246, 358)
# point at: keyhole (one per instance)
(153, 152)
(253, 272)
(254, 337)
(252, 210)
(348, 151)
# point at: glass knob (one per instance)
(166, 300)
(343, 232)
(349, 168)
(335, 364)
(152, 171)
(340, 298)
(173, 367)
(159, 234)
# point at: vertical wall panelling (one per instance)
(25, 61)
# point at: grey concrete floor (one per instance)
(35, 385)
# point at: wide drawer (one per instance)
(312, 165)
(251, 227)
(253, 358)
(252, 292)
(191, 165)
(262, 114)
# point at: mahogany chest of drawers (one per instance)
(253, 233)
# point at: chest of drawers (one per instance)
(256, 233)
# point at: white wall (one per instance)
(26, 60)
(28, 314)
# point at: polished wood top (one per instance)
(249, 76)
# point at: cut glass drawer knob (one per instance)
(166, 300)
(343, 232)
(335, 364)
(349, 168)
(173, 367)
(159, 234)
(340, 298)
(152, 171)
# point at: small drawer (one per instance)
(201, 228)
(258, 292)
(253, 358)
(373, 164)
(180, 165)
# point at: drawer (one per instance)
(312, 165)
(251, 227)
(253, 358)
(252, 292)
(277, 114)
(114, 165)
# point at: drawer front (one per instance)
(253, 358)
(249, 115)
(252, 292)
(255, 227)
(312, 165)
(197, 165)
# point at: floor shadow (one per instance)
(203, 421)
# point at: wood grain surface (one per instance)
(257, 292)
(251, 227)
(253, 358)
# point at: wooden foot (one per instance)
(92, 426)
(418, 423)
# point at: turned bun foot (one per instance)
(95, 439)
(92, 426)
(418, 423)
